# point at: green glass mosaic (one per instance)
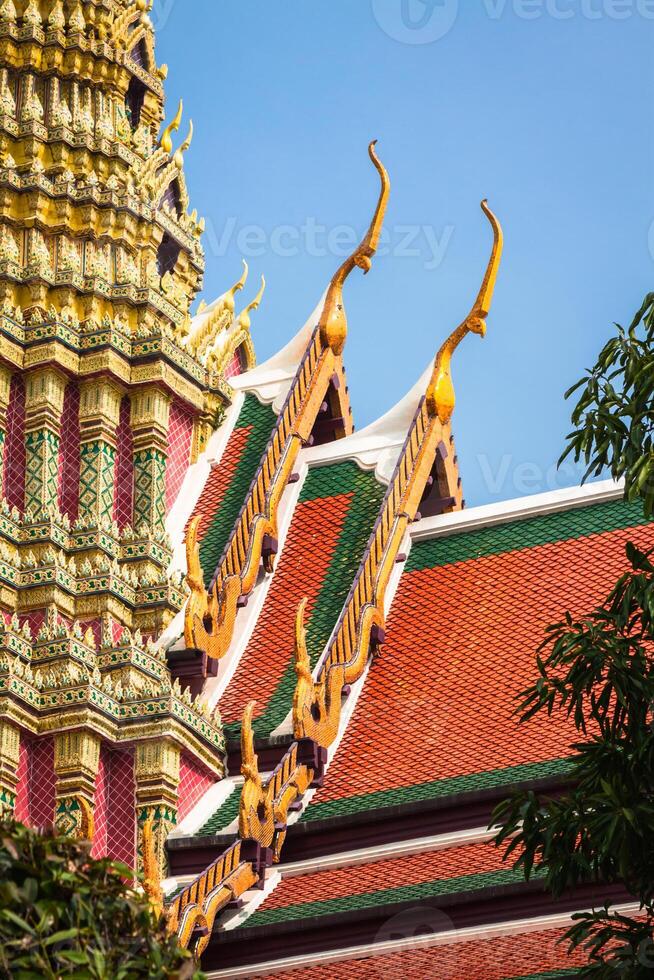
(41, 474)
(96, 486)
(390, 896)
(367, 495)
(529, 533)
(436, 790)
(261, 420)
(150, 489)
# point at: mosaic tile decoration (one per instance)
(41, 783)
(100, 805)
(194, 781)
(121, 809)
(69, 453)
(22, 808)
(15, 457)
(235, 365)
(124, 486)
(180, 437)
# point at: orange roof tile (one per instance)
(219, 479)
(461, 641)
(533, 954)
(300, 572)
(396, 872)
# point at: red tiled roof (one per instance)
(397, 872)
(300, 572)
(461, 643)
(497, 958)
(219, 479)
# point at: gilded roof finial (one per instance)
(179, 156)
(236, 288)
(244, 320)
(166, 142)
(333, 322)
(440, 393)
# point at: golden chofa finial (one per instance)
(333, 322)
(166, 142)
(179, 156)
(230, 295)
(440, 393)
(244, 320)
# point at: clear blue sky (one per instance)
(548, 115)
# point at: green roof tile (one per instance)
(435, 790)
(261, 419)
(224, 815)
(528, 533)
(390, 896)
(367, 495)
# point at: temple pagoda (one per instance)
(266, 658)
(108, 392)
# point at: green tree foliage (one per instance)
(63, 914)
(599, 671)
(614, 416)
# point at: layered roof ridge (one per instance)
(317, 388)
(317, 714)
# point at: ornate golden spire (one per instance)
(230, 295)
(166, 141)
(333, 322)
(179, 156)
(440, 393)
(244, 320)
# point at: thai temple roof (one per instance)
(268, 659)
